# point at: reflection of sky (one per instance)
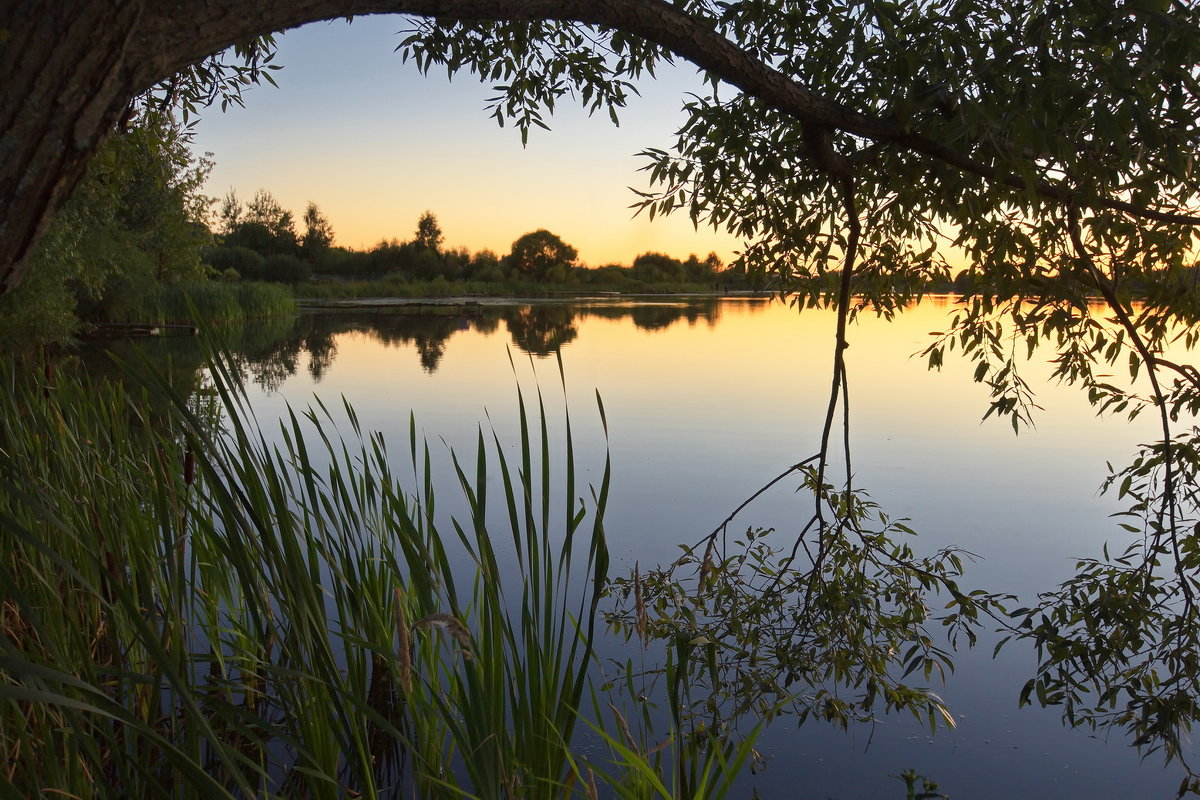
(733, 401)
(701, 415)
(375, 144)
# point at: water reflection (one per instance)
(703, 414)
(541, 330)
(263, 348)
(537, 329)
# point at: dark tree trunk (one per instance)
(64, 86)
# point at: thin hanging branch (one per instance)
(1168, 509)
(838, 385)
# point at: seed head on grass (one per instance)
(623, 727)
(453, 627)
(403, 642)
(643, 619)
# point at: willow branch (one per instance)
(166, 46)
(1189, 373)
(1168, 509)
(843, 313)
(717, 531)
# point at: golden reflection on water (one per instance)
(706, 401)
(705, 360)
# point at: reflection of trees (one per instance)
(271, 372)
(655, 318)
(321, 351)
(316, 335)
(270, 350)
(541, 330)
(708, 310)
(659, 316)
(427, 332)
(431, 352)
(264, 349)
(487, 322)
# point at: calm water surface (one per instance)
(708, 400)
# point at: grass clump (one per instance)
(192, 610)
(215, 302)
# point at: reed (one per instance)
(195, 610)
(212, 301)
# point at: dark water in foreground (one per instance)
(706, 401)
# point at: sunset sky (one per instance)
(374, 143)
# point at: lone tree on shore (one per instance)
(429, 233)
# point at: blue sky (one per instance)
(374, 143)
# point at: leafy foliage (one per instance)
(318, 233)
(136, 221)
(542, 254)
(1046, 150)
(218, 79)
(429, 233)
(830, 625)
(1129, 622)
(540, 62)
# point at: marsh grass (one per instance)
(212, 301)
(192, 610)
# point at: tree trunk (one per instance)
(63, 89)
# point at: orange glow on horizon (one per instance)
(364, 212)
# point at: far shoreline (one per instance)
(318, 303)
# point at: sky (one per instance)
(374, 143)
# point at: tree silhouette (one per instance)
(540, 254)
(318, 233)
(429, 233)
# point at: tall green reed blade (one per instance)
(245, 629)
(520, 692)
(510, 711)
(90, 639)
(703, 770)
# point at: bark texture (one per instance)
(62, 90)
(70, 67)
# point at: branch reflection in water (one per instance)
(709, 399)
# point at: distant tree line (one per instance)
(261, 240)
(140, 235)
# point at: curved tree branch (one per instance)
(63, 91)
(1169, 503)
(676, 31)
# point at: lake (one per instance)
(707, 400)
